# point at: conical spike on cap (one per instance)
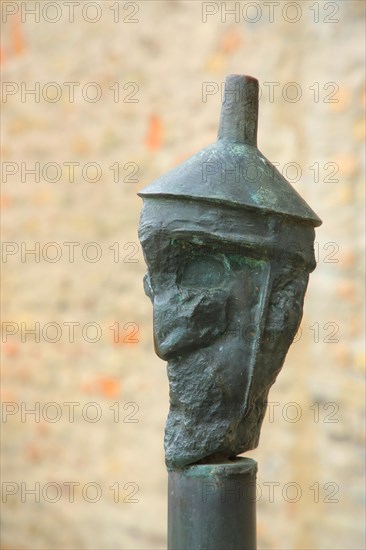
(232, 171)
(239, 112)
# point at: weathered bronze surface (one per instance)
(229, 248)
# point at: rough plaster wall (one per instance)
(170, 53)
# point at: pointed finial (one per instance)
(239, 113)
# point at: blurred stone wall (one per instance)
(123, 91)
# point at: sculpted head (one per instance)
(228, 268)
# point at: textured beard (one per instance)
(211, 414)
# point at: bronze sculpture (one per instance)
(228, 269)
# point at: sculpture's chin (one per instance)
(188, 442)
(207, 418)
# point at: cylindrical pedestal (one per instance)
(212, 506)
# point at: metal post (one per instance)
(213, 506)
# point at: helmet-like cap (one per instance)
(229, 189)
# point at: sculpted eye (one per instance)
(202, 273)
